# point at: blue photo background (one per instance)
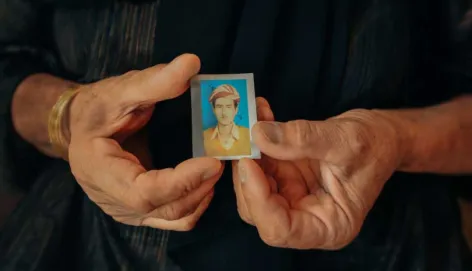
(208, 118)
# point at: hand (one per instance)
(102, 116)
(318, 179)
(264, 113)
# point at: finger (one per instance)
(187, 204)
(269, 166)
(138, 190)
(286, 178)
(167, 185)
(241, 203)
(161, 83)
(299, 139)
(184, 224)
(269, 211)
(108, 177)
(132, 73)
(278, 224)
(264, 112)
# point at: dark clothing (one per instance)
(311, 60)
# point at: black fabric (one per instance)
(311, 60)
(21, 55)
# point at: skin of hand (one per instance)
(317, 180)
(106, 114)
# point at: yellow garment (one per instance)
(238, 144)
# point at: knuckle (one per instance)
(186, 189)
(357, 130)
(358, 112)
(273, 240)
(172, 212)
(341, 244)
(189, 225)
(341, 236)
(187, 186)
(247, 220)
(129, 74)
(303, 133)
(243, 215)
(358, 139)
(141, 207)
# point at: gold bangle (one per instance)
(56, 122)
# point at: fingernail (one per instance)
(267, 112)
(242, 172)
(210, 173)
(272, 131)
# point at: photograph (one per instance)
(223, 113)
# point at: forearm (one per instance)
(31, 104)
(437, 139)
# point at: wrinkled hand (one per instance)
(317, 180)
(103, 116)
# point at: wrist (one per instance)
(405, 134)
(435, 139)
(59, 122)
(426, 135)
(67, 114)
(31, 105)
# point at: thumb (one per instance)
(299, 139)
(159, 83)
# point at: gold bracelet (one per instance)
(56, 122)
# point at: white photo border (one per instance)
(198, 147)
